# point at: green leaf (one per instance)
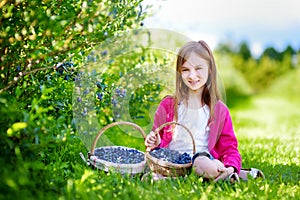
(19, 126)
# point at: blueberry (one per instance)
(118, 92)
(104, 53)
(98, 84)
(86, 91)
(123, 93)
(114, 102)
(99, 96)
(67, 77)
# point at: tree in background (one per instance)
(244, 50)
(272, 53)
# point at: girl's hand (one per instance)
(225, 172)
(152, 140)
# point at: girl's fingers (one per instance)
(153, 139)
(225, 172)
(222, 176)
(150, 139)
(222, 169)
(147, 141)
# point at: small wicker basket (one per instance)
(119, 167)
(168, 168)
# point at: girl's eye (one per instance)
(184, 70)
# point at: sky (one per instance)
(261, 23)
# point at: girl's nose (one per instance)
(193, 74)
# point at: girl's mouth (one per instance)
(193, 82)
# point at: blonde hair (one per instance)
(210, 94)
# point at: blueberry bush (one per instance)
(44, 45)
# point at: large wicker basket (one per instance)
(118, 167)
(168, 168)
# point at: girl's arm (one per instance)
(227, 145)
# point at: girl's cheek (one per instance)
(184, 74)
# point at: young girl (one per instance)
(197, 105)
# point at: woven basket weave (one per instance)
(168, 168)
(119, 167)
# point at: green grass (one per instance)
(267, 129)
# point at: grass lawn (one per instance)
(268, 133)
(268, 130)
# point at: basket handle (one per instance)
(111, 125)
(173, 122)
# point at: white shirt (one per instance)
(196, 121)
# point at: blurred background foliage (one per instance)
(245, 75)
(45, 46)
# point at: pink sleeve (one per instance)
(163, 114)
(160, 116)
(227, 145)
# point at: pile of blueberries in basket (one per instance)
(172, 156)
(119, 155)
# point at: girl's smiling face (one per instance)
(194, 72)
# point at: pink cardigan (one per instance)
(222, 142)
